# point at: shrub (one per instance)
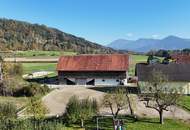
(32, 90)
(10, 85)
(18, 69)
(80, 110)
(7, 110)
(36, 108)
(12, 69)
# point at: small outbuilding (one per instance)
(97, 69)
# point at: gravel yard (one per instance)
(56, 102)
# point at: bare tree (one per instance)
(115, 101)
(131, 102)
(159, 94)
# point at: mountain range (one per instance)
(145, 44)
(19, 35)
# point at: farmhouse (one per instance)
(100, 69)
(178, 74)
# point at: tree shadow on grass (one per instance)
(44, 80)
(103, 89)
(131, 90)
(145, 120)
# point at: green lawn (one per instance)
(42, 53)
(142, 124)
(185, 102)
(136, 59)
(34, 67)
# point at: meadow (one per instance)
(35, 67)
(43, 53)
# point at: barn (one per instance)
(97, 69)
(178, 74)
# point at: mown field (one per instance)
(141, 124)
(42, 53)
(35, 67)
(134, 59)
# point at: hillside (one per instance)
(18, 35)
(145, 45)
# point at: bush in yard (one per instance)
(32, 90)
(18, 69)
(80, 110)
(10, 85)
(7, 111)
(12, 69)
(36, 108)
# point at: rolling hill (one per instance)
(145, 45)
(19, 35)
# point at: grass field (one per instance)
(34, 67)
(142, 124)
(136, 59)
(185, 102)
(42, 53)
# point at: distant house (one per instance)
(101, 69)
(178, 74)
(181, 58)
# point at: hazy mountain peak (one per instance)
(171, 37)
(170, 42)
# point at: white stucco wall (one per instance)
(183, 86)
(100, 81)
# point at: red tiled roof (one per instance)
(181, 58)
(112, 62)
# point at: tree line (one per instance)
(18, 35)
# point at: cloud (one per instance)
(129, 34)
(155, 36)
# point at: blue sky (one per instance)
(103, 21)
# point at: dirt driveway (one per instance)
(56, 102)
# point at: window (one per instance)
(117, 80)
